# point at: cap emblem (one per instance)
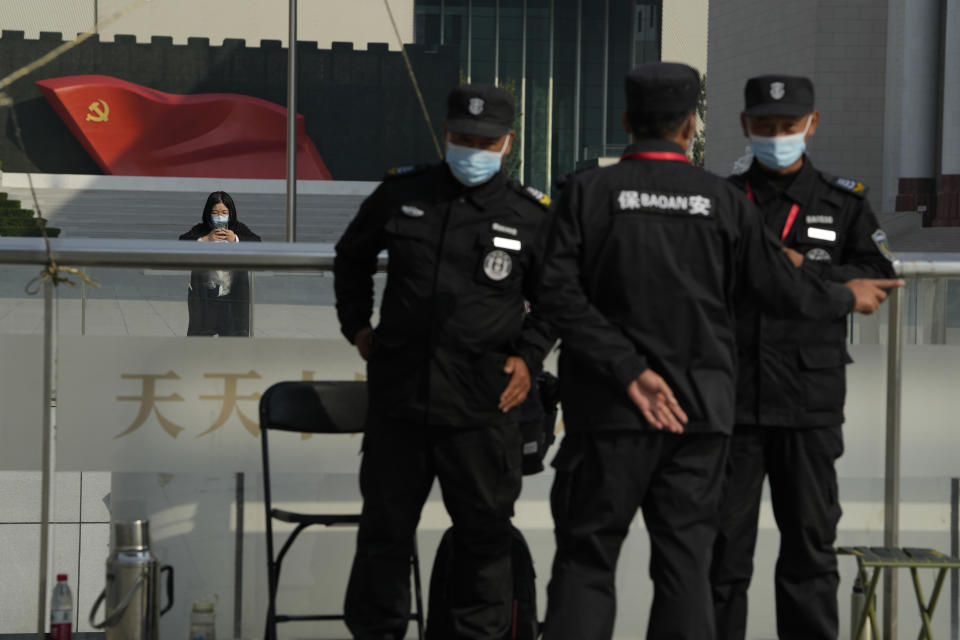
(777, 90)
(476, 106)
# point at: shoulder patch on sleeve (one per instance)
(409, 170)
(880, 240)
(534, 194)
(848, 185)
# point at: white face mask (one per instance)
(220, 222)
(779, 152)
(473, 166)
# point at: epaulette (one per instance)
(847, 185)
(561, 181)
(409, 170)
(533, 193)
(742, 164)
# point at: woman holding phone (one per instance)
(218, 302)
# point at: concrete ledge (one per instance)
(899, 223)
(199, 185)
(97, 635)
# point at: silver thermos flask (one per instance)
(132, 593)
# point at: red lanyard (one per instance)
(657, 155)
(791, 217)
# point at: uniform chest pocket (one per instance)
(499, 262)
(819, 243)
(410, 243)
(406, 227)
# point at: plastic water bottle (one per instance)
(61, 610)
(202, 621)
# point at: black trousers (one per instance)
(803, 489)
(209, 315)
(602, 478)
(479, 474)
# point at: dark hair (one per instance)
(220, 197)
(657, 125)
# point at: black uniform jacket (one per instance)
(208, 313)
(462, 263)
(791, 370)
(640, 271)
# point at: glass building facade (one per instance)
(564, 60)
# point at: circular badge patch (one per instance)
(497, 265)
(818, 255)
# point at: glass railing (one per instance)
(146, 422)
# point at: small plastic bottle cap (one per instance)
(61, 577)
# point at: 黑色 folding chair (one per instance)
(313, 407)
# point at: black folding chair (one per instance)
(313, 407)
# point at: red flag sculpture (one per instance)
(131, 130)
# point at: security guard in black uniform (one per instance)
(791, 379)
(450, 359)
(638, 281)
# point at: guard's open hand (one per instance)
(519, 385)
(363, 340)
(655, 400)
(871, 293)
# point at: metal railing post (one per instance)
(46, 483)
(238, 558)
(938, 313)
(891, 510)
(954, 551)
(83, 307)
(292, 126)
(251, 304)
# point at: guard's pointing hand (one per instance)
(870, 293)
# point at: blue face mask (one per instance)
(473, 166)
(220, 222)
(779, 152)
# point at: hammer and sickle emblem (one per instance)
(99, 111)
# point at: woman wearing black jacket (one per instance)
(218, 302)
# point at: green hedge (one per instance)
(15, 221)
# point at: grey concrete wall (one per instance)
(951, 102)
(839, 45)
(893, 103)
(918, 58)
(740, 46)
(357, 21)
(79, 542)
(685, 32)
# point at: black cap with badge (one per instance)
(480, 110)
(778, 96)
(662, 87)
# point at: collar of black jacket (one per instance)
(798, 191)
(654, 144)
(481, 196)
